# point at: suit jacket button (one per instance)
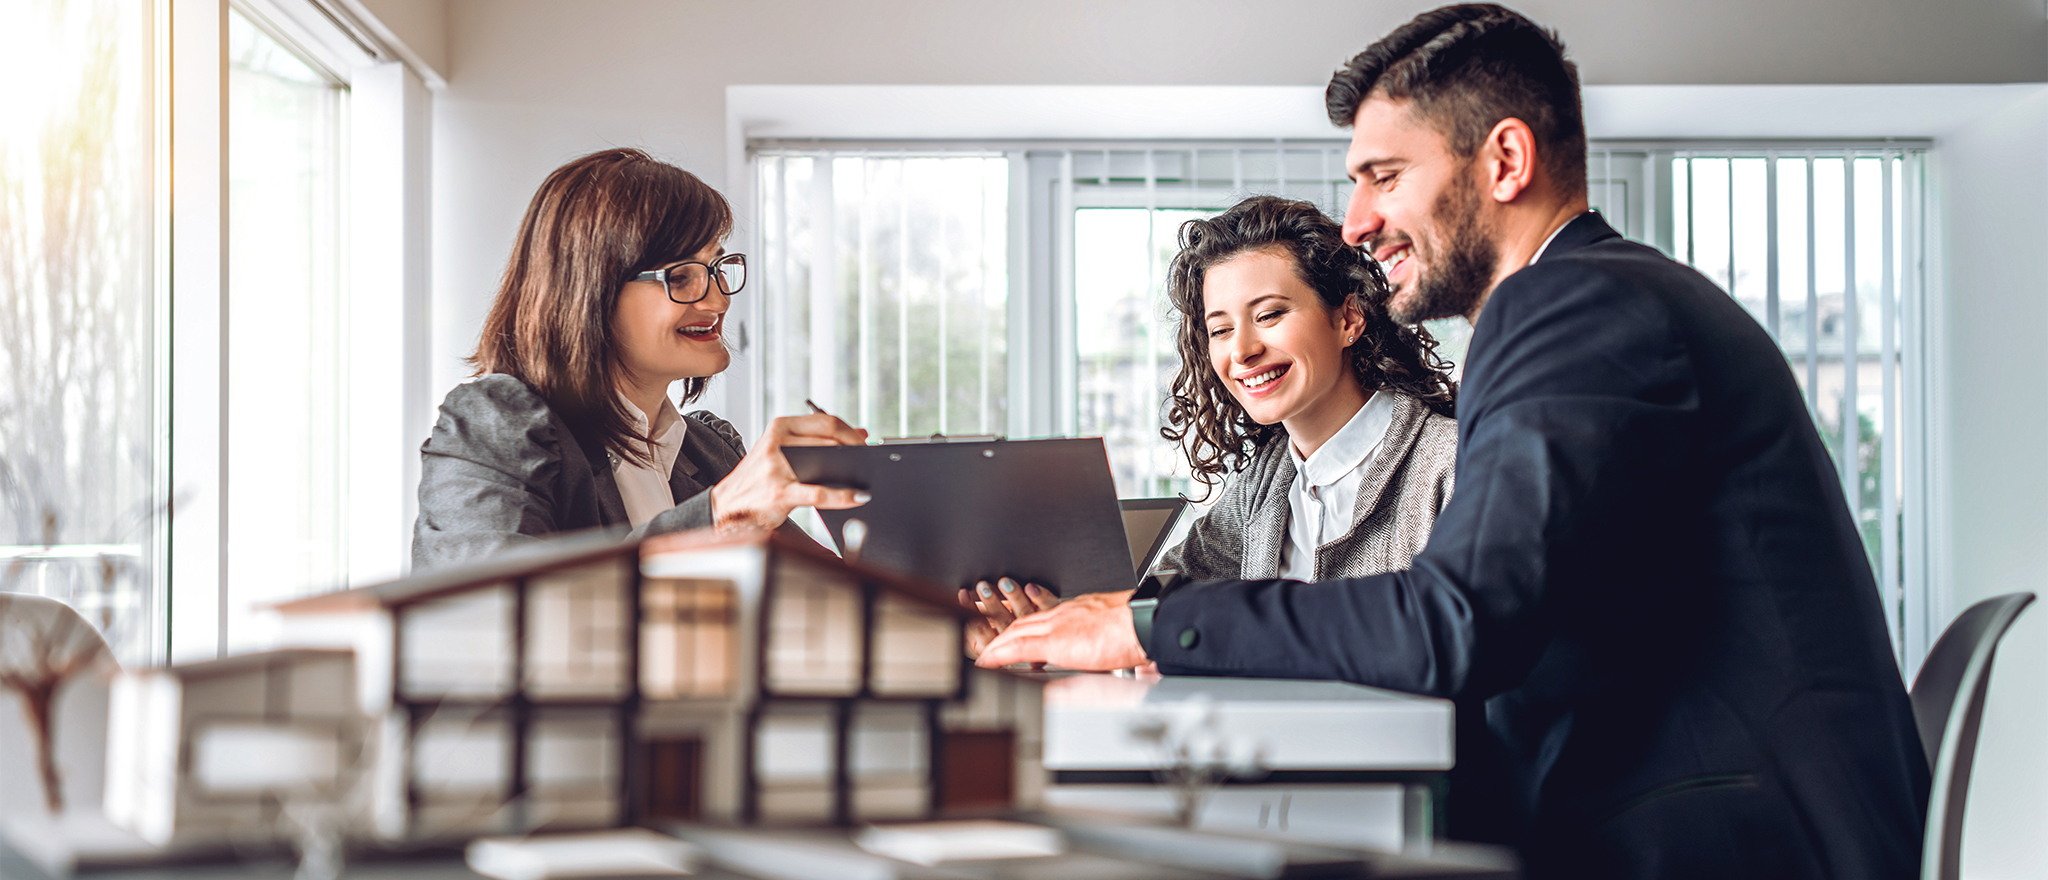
(1189, 637)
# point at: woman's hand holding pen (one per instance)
(1000, 605)
(762, 489)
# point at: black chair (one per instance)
(1948, 705)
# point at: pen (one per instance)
(815, 408)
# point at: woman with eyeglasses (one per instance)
(617, 289)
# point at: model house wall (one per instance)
(218, 752)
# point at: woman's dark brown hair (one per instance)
(595, 223)
(1201, 414)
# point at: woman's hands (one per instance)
(1000, 605)
(762, 490)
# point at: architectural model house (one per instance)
(213, 752)
(849, 701)
(751, 679)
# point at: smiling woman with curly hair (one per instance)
(1336, 421)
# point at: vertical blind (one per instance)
(885, 287)
(1123, 209)
(1823, 248)
(1021, 290)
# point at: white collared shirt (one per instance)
(1547, 241)
(1325, 486)
(645, 489)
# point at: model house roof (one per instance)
(568, 551)
(585, 547)
(256, 662)
(799, 546)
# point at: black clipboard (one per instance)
(1040, 511)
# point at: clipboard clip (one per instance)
(943, 438)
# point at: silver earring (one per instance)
(1350, 339)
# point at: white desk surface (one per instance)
(1287, 725)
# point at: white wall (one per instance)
(1993, 180)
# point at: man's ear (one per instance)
(1508, 159)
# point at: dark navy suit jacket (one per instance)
(1647, 596)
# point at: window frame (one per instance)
(382, 223)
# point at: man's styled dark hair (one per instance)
(1466, 68)
(1200, 413)
(595, 223)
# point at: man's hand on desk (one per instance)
(1000, 604)
(1091, 632)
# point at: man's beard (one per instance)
(1465, 268)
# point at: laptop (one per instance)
(1148, 523)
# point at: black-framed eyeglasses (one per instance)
(690, 282)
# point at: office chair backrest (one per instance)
(1948, 704)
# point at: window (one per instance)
(889, 270)
(80, 410)
(285, 433)
(1822, 244)
(205, 266)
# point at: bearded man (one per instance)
(1648, 596)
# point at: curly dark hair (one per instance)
(1201, 414)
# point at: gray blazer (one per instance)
(503, 469)
(1401, 490)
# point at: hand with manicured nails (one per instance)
(1000, 605)
(762, 489)
(1090, 632)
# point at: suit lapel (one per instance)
(682, 482)
(611, 506)
(697, 464)
(1267, 534)
(1402, 429)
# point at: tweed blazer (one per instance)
(502, 469)
(1400, 491)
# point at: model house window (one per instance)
(1823, 244)
(814, 634)
(79, 411)
(889, 760)
(687, 639)
(461, 768)
(460, 645)
(576, 623)
(795, 762)
(910, 650)
(572, 767)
